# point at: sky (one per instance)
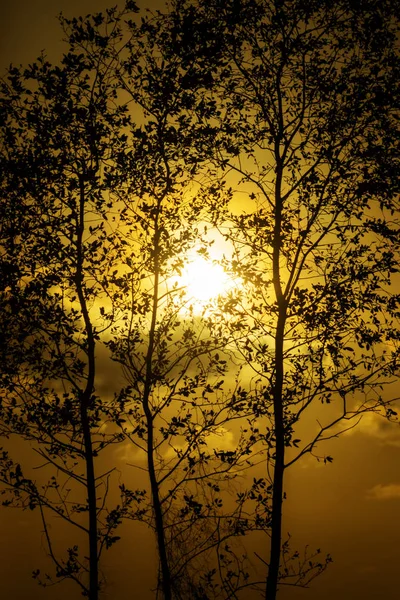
(350, 508)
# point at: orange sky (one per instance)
(350, 508)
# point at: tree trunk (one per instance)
(159, 521)
(155, 492)
(85, 401)
(92, 506)
(277, 494)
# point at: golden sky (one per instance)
(350, 508)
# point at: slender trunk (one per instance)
(277, 493)
(158, 515)
(155, 492)
(92, 506)
(85, 401)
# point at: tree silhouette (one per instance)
(60, 133)
(115, 167)
(97, 225)
(305, 120)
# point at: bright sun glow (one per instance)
(204, 280)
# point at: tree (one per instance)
(173, 354)
(114, 165)
(61, 131)
(97, 227)
(305, 109)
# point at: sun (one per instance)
(204, 280)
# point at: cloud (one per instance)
(221, 439)
(375, 426)
(384, 492)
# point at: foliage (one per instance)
(116, 167)
(306, 126)
(97, 226)
(60, 132)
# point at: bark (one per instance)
(277, 494)
(92, 506)
(85, 400)
(155, 492)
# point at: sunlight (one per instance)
(204, 280)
